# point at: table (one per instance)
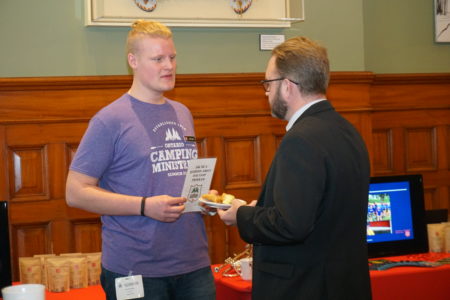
(231, 288)
(412, 283)
(94, 292)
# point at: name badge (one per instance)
(129, 287)
(190, 138)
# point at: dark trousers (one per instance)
(197, 285)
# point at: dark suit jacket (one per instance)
(309, 226)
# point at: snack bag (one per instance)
(94, 262)
(30, 270)
(58, 274)
(78, 272)
(71, 254)
(42, 257)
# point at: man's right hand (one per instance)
(164, 208)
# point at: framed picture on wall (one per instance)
(442, 21)
(196, 13)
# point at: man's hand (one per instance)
(229, 216)
(164, 208)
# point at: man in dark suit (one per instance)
(308, 227)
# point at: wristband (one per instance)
(143, 206)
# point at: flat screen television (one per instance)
(396, 216)
(5, 257)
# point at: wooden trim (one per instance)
(412, 79)
(183, 80)
(403, 118)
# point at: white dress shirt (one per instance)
(299, 112)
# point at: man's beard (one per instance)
(279, 106)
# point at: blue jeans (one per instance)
(197, 285)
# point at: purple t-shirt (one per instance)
(142, 149)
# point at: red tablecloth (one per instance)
(411, 283)
(231, 288)
(90, 293)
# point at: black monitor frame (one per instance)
(419, 244)
(5, 255)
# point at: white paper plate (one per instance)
(217, 205)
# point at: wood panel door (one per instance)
(37, 157)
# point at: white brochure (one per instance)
(198, 181)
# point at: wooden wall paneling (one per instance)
(217, 232)
(242, 159)
(420, 149)
(225, 234)
(437, 186)
(242, 162)
(221, 100)
(28, 187)
(349, 92)
(28, 172)
(417, 148)
(70, 150)
(415, 129)
(202, 147)
(217, 238)
(27, 240)
(382, 148)
(443, 146)
(4, 171)
(446, 146)
(362, 122)
(86, 235)
(32, 239)
(43, 119)
(269, 145)
(57, 169)
(431, 197)
(398, 134)
(61, 238)
(219, 95)
(416, 107)
(399, 92)
(84, 228)
(237, 142)
(38, 162)
(445, 149)
(68, 98)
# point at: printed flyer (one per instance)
(198, 181)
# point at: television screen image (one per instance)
(379, 214)
(389, 215)
(396, 216)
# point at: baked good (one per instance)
(224, 198)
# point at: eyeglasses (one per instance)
(266, 83)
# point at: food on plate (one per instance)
(224, 198)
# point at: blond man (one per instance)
(124, 170)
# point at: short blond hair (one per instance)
(145, 28)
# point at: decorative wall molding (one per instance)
(196, 13)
